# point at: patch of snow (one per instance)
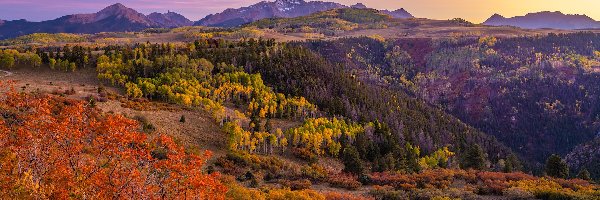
(287, 5)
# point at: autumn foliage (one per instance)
(56, 148)
(516, 185)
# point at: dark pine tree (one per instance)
(352, 161)
(584, 174)
(556, 167)
(473, 158)
(512, 164)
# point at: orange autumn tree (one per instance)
(55, 148)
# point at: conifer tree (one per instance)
(352, 161)
(556, 167)
(473, 158)
(512, 164)
(584, 174)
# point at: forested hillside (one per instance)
(300, 100)
(536, 94)
(340, 114)
(328, 23)
(169, 73)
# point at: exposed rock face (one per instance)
(556, 20)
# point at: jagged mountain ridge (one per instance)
(119, 18)
(359, 6)
(546, 19)
(280, 9)
(114, 18)
(118, 11)
(170, 19)
(400, 13)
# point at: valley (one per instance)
(297, 100)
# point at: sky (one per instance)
(473, 10)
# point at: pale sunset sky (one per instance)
(473, 10)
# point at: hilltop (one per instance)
(114, 18)
(556, 20)
(281, 9)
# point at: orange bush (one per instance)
(346, 181)
(56, 148)
(285, 194)
(574, 184)
(305, 154)
(396, 180)
(467, 175)
(513, 185)
(514, 176)
(497, 182)
(345, 196)
(301, 184)
(438, 178)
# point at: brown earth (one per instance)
(199, 131)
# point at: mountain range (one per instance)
(400, 13)
(170, 19)
(265, 9)
(280, 9)
(115, 18)
(555, 20)
(118, 18)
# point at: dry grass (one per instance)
(199, 132)
(44, 80)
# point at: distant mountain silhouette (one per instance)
(170, 19)
(118, 18)
(556, 20)
(359, 6)
(113, 18)
(400, 13)
(280, 9)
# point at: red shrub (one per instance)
(344, 181)
(297, 184)
(340, 196)
(439, 178)
(396, 180)
(497, 182)
(574, 184)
